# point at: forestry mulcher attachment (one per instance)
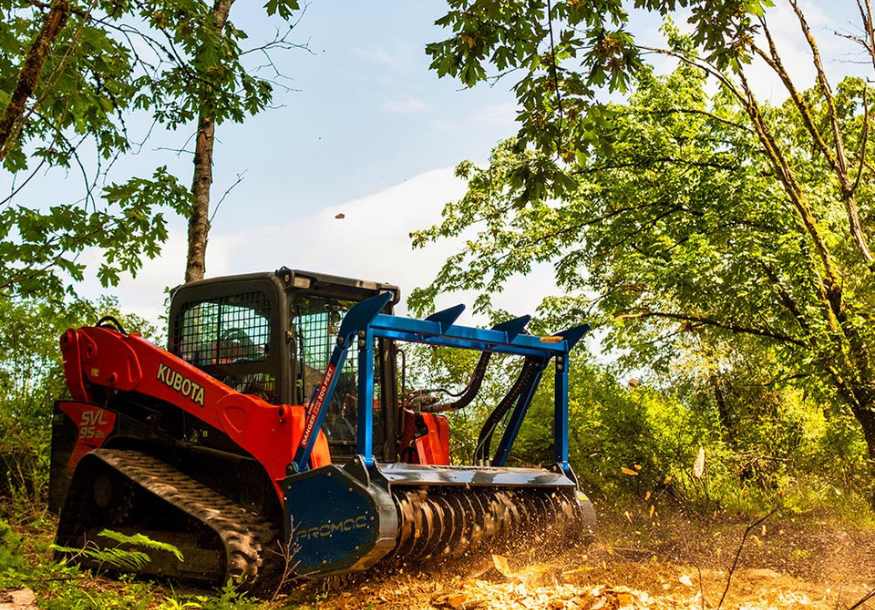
(274, 424)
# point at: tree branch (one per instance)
(832, 291)
(774, 61)
(864, 141)
(227, 192)
(554, 71)
(732, 569)
(853, 212)
(639, 163)
(859, 603)
(869, 27)
(709, 321)
(704, 113)
(29, 75)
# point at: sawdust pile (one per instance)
(675, 563)
(554, 586)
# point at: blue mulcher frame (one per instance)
(361, 525)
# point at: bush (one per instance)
(10, 548)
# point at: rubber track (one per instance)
(246, 536)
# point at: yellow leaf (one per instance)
(647, 495)
(652, 510)
(699, 464)
(501, 564)
(628, 472)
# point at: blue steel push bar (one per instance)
(365, 323)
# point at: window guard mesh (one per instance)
(315, 323)
(222, 332)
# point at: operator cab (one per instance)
(272, 334)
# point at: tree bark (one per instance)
(867, 421)
(841, 161)
(723, 410)
(202, 179)
(29, 75)
(199, 221)
(865, 415)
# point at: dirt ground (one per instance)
(639, 560)
(644, 561)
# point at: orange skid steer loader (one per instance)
(275, 418)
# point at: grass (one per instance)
(27, 561)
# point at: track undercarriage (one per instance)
(133, 492)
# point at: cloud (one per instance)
(371, 242)
(405, 105)
(396, 57)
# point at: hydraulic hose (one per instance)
(467, 394)
(522, 383)
(111, 322)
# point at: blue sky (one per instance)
(369, 132)
(368, 113)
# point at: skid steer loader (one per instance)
(275, 420)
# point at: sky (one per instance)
(368, 131)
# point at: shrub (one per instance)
(778, 446)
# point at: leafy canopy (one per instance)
(675, 211)
(563, 52)
(110, 59)
(672, 226)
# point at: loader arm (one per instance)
(100, 361)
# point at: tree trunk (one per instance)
(199, 221)
(723, 410)
(202, 179)
(866, 417)
(29, 75)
